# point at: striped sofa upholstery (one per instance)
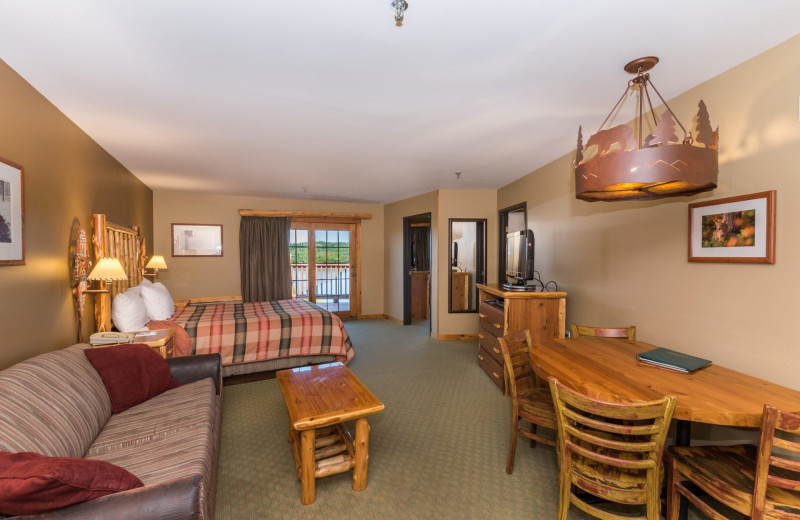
(56, 404)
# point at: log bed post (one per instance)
(102, 303)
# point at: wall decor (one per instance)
(196, 240)
(12, 214)
(735, 229)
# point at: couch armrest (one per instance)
(187, 369)
(176, 500)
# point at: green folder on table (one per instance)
(672, 360)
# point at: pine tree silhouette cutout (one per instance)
(705, 134)
(665, 130)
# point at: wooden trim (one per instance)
(420, 224)
(302, 214)
(449, 337)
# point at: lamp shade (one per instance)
(156, 262)
(108, 270)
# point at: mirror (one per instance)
(467, 260)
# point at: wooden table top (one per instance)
(607, 369)
(325, 394)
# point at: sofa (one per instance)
(56, 404)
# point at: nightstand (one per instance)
(160, 340)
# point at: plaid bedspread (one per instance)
(247, 332)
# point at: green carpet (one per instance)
(438, 450)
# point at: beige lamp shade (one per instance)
(108, 270)
(156, 262)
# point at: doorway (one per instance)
(417, 269)
(324, 262)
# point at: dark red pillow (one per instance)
(31, 483)
(132, 373)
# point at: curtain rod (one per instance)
(312, 214)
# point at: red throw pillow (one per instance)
(132, 373)
(31, 483)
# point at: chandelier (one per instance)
(615, 165)
(399, 7)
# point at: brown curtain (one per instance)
(421, 238)
(264, 258)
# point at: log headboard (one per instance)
(126, 244)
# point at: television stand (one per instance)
(520, 288)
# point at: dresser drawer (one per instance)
(487, 340)
(492, 368)
(491, 318)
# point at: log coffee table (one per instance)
(320, 398)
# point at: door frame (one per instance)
(407, 264)
(314, 223)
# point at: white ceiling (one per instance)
(329, 100)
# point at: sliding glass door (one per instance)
(322, 270)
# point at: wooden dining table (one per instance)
(607, 369)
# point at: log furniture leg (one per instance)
(307, 466)
(362, 455)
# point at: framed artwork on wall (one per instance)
(196, 240)
(735, 229)
(12, 214)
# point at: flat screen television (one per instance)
(520, 247)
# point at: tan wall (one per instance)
(67, 177)
(218, 276)
(393, 249)
(464, 204)
(626, 262)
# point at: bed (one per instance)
(250, 337)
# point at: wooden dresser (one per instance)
(420, 289)
(542, 313)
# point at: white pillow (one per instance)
(144, 282)
(128, 311)
(158, 301)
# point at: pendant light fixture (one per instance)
(615, 165)
(399, 7)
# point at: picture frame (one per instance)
(196, 240)
(12, 213)
(735, 229)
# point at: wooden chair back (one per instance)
(516, 362)
(611, 450)
(605, 332)
(776, 468)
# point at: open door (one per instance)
(416, 268)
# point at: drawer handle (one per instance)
(480, 357)
(498, 326)
(481, 315)
(481, 336)
(496, 350)
(496, 375)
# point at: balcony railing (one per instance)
(332, 281)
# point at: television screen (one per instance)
(519, 255)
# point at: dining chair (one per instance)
(606, 332)
(612, 451)
(762, 482)
(529, 402)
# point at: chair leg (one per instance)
(673, 496)
(512, 450)
(564, 492)
(533, 431)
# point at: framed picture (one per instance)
(196, 240)
(736, 229)
(12, 214)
